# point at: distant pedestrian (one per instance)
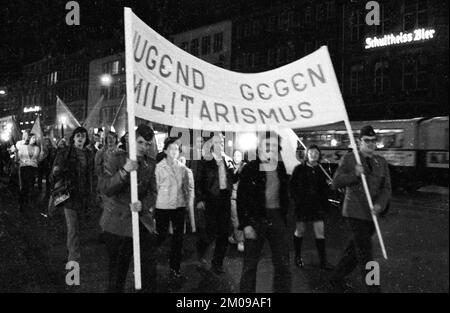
(262, 201)
(28, 156)
(356, 210)
(309, 189)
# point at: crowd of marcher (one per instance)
(236, 201)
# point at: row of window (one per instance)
(285, 20)
(67, 93)
(279, 56)
(114, 67)
(413, 76)
(414, 16)
(202, 46)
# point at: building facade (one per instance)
(34, 92)
(399, 80)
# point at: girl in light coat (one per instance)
(175, 194)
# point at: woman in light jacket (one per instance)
(175, 194)
(28, 156)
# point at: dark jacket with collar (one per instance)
(116, 217)
(378, 181)
(208, 179)
(251, 196)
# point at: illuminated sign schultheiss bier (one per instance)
(391, 39)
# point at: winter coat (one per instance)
(116, 216)
(378, 181)
(251, 197)
(175, 187)
(67, 166)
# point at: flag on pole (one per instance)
(93, 118)
(37, 130)
(9, 130)
(64, 116)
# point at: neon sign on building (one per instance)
(36, 108)
(402, 38)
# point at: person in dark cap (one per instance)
(356, 209)
(114, 184)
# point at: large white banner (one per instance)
(175, 88)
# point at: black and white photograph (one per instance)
(224, 153)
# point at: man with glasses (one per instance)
(356, 210)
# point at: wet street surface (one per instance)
(415, 231)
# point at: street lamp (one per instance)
(2, 92)
(106, 80)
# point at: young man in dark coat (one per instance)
(356, 209)
(262, 203)
(215, 184)
(114, 184)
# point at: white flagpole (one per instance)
(366, 187)
(118, 111)
(357, 158)
(132, 144)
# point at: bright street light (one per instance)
(106, 80)
(2, 92)
(248, 141)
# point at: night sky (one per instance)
(31, 30)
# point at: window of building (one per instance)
(321, 12)
(414, 73)
(309, 47)
(381, 77)
(330, 9)
(385, 22)
(115, 67)
(292, 22)
(356, 21)
(247, 60)
(256, 27)
(247, 29)
(283, 21)
(308, 14)
(194, 46)
(218, 42)
(271, 23)
(271, 56)
(237, 32)
(281, 55)
(185, 45)
(206, 45)
(291, 51)
(415, 14)
(356, 79)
